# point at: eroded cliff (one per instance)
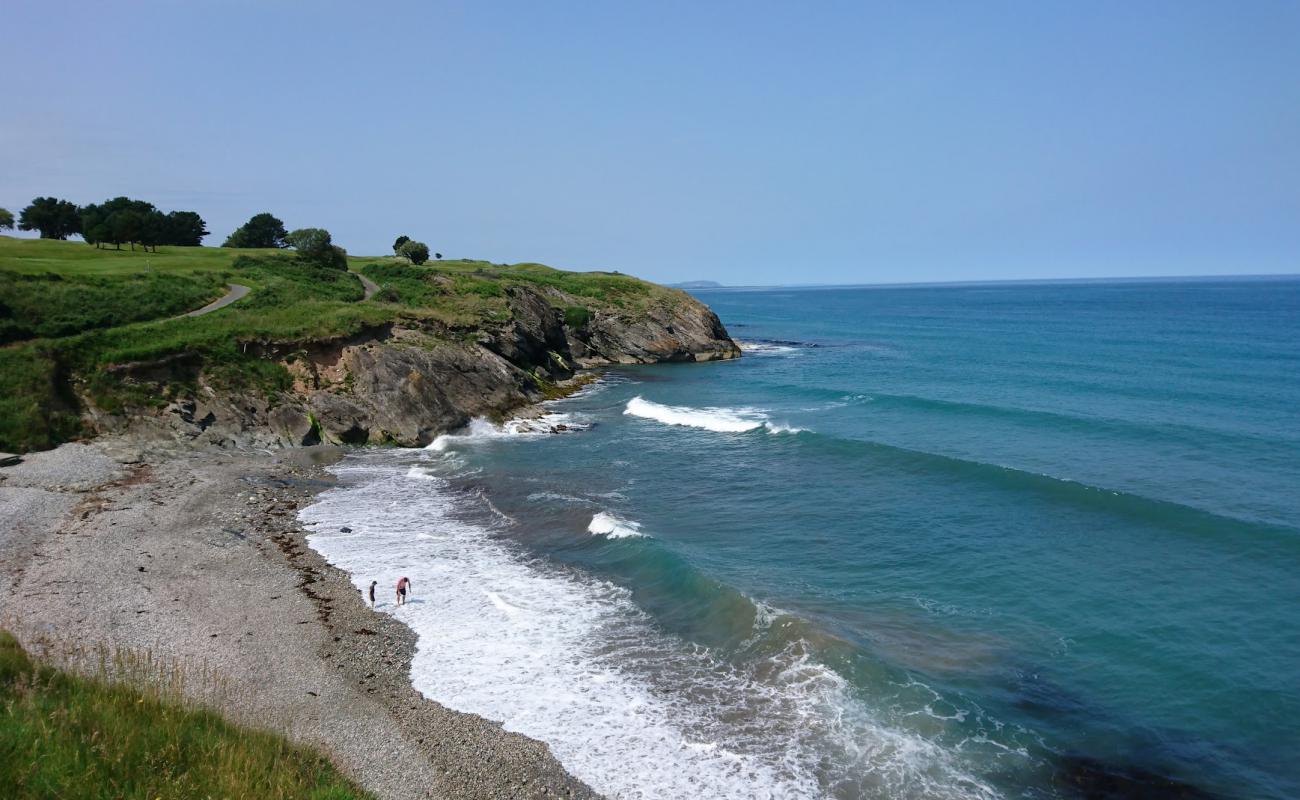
(406, 382)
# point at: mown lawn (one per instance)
(64, 736)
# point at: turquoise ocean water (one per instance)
(1002, 540)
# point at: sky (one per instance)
(746, 143)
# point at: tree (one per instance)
(316, 246)
(262, 230)
(185, 229)
(123, 220)
(54, 218)
(417, 252)
(6, 219)
(397, 245)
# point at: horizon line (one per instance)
(989, 281)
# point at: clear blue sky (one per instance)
(748, 143)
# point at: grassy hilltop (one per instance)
(69, 313)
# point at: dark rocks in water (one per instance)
(1091, 779)
(345, 529)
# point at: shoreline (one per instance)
(198, 557)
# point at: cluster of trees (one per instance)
(313, 244)
(125, 221)
(413, 251)
(117, 222)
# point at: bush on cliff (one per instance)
(576, 317)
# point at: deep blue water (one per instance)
(997, 540)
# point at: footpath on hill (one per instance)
(236, 292)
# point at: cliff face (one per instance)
(404, 385)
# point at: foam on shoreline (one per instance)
(572, 661)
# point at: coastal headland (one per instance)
(164, 458)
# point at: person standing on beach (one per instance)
(403, 586)
(373, 584)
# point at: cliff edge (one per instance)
(407, 381)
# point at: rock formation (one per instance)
(405, 384)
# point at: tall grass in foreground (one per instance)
(65, 736)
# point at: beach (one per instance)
(196, 557)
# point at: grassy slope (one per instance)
(114, 307)
(71, 737)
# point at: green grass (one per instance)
(67, 736)
(70, 313)
(33, 410)
(50, 305)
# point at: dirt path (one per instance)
(371, 286)
(236, 292)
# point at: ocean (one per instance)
(999, 540)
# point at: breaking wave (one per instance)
(610, 526)
(719, 420)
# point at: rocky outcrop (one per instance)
(685, 331)
(404, 385)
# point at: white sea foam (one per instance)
(480, 429)
(766, 348)
(780, 427)
(606, 524)
(560, 497)
(572, 661)
(720, 420)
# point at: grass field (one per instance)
(70, 737)
(68, 311)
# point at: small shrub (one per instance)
(576, 317)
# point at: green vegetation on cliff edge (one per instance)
(70, 314)
(71, 737)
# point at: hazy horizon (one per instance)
(746, 144)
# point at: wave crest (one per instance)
(719, 420)
(612, 527)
